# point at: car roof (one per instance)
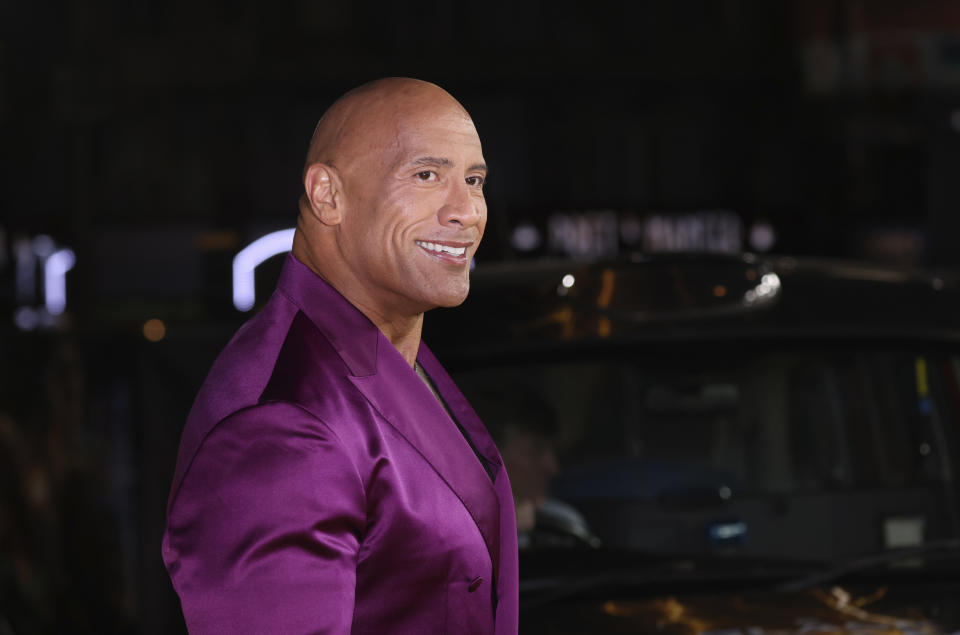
(683, 296)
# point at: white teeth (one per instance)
(453, 251)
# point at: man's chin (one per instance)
(451, 296)
(452, 302)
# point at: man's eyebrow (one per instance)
(444, 162)
(432, 161)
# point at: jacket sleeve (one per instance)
(263, 535)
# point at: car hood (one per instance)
(878, 609)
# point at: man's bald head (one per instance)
(393, 207)
(368, 116)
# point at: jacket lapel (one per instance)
(459, 406)
(408, 405)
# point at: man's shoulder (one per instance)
(278, 355)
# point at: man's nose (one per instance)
(462, 207)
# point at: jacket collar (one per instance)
(350, 332)
(380, 372)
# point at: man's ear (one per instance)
(321, 186)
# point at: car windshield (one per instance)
(812, 451)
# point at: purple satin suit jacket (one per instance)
(321, 488)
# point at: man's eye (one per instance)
(427, 175)
(476, 181)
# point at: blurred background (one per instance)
(144, 144)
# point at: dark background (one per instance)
(155, 139)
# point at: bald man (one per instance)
(331, 478)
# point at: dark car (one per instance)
(739, 444)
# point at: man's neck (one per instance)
(404, 335)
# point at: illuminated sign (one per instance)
(709, 231)
(55, 270)
(597, 234)
(249, 258)
(55, 263)
(587, 235)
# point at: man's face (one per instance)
(416, 211)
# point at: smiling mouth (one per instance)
(441, 249)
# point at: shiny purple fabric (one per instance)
(321, 488)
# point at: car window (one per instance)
(654, 446)
(777, 421)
